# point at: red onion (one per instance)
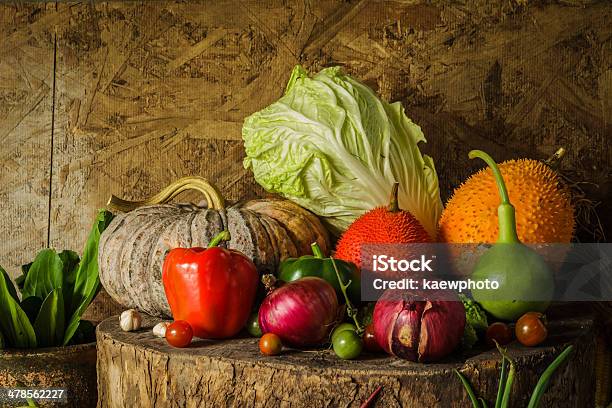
(301, 312)
(417, 329)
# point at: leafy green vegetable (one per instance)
(474, 314)
(10, 289)
(475, 322)
(44, 275)
(331, 145)
(14, 323)
(31, 306)
(56, 289)
(20, 280)
(365, 313)
(49, 325)
(470, 338)
(70, 260)
(87, 279)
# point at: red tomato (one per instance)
(179, 334)
(531, 329)
(270, 344)
(500, 332)
(369, 340)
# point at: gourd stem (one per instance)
(211, 193)
(499, 180)
(393, 201)
(505, 212)
(316, 250)
(222, 236)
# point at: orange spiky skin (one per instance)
(379, 226)
(544, 212)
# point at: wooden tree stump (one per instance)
(137, 369)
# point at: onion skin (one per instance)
(302, 313)
(418, 330)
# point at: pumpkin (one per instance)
(133, 247)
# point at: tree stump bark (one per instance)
(137, 369)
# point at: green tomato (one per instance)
(340, 328)
(347, 345)
(252, 325)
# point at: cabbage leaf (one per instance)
(332, 146)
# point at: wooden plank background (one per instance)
(124, 97)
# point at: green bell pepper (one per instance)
(316, 265)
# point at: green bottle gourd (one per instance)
(525, 281)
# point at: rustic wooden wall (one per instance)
(123, 97)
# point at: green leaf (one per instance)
(70, 261)
(468, 389)
(44, 275)
(14, 323)
(31, 306)
(49, 324)
(333, 146)
(9, 284)
(87, 279)
(20, 280)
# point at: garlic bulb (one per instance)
(130, 320)
(160, 329)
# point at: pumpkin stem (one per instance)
(393, 202)
(316, 250)
(210, 192)
(220, 237)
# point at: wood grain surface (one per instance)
(124, 97)
(137, 369)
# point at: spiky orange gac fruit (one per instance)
(381, 225)
(544, 212)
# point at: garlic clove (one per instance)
(130, 320)
(160, 329)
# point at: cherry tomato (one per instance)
(369, 340)
(500, 332)
(531, 329)
(179, 334)
(252, 325)
(347, 344)
(342, 327)
(270, 344)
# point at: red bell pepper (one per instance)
(213, 289)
